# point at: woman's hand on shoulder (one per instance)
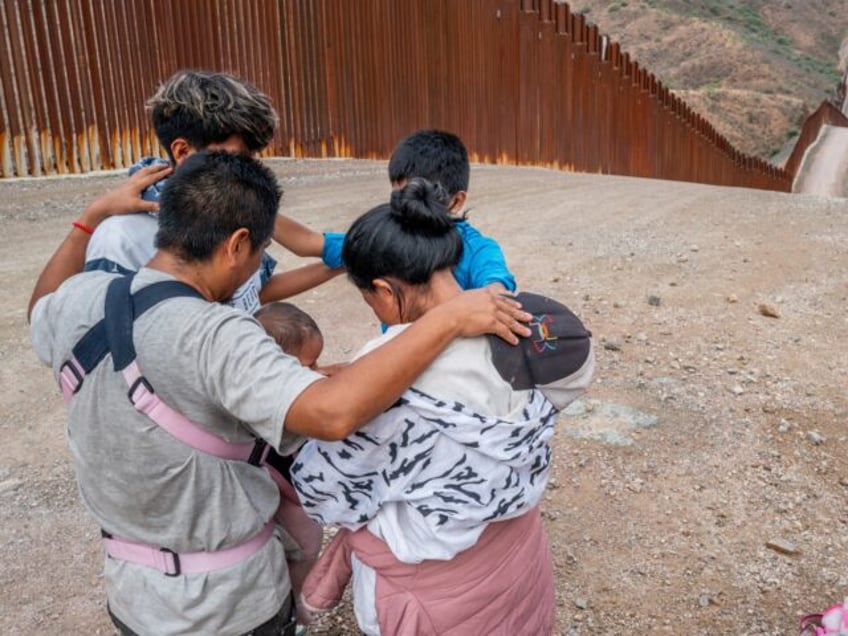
(485, 311)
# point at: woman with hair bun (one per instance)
(438, 496)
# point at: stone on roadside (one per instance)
(769, 311)
(654, 301)
(732, 298)
(10, 484)
(581, 603)
(814, 437)
(612, 345)
(783, 546)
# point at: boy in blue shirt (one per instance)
(442, 158)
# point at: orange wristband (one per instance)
(82, 227)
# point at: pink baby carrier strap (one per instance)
(511, 563)
(114, 334)
(145, 400)
(174, 564)
(70, 378)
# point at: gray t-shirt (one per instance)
(216, 366)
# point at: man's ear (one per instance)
(238, 244)
(181, 150)
(458, 202)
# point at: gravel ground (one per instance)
(699, 488)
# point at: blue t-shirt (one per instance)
(482, 261)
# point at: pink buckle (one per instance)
(71, 376)
(171, 563)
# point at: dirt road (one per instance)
(700, 488)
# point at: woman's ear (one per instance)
(383, 288)
(384, 301)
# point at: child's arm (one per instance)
(297, 238)
(69, 257)
(302, 241)
(295, 281)
(483, 263)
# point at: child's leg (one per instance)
(307, 533)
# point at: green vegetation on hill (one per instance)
(754, 68)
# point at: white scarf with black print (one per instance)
(427, 475)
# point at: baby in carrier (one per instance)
(299, 336)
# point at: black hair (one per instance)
(288, 325)
(436, 155)
(210, 196)
(204, 107)
(407, 239)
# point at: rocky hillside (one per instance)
(754, 68)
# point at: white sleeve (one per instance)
(125, 241)
(40, 331)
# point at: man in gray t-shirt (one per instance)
(215, 366)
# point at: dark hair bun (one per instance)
(422, 206)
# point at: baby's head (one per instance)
(294, 330)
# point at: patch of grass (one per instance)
(748, 22)
(825, 69)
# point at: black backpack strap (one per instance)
(119, 319)
(94, 345)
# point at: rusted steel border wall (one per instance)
(521, 81)
(825, 115)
